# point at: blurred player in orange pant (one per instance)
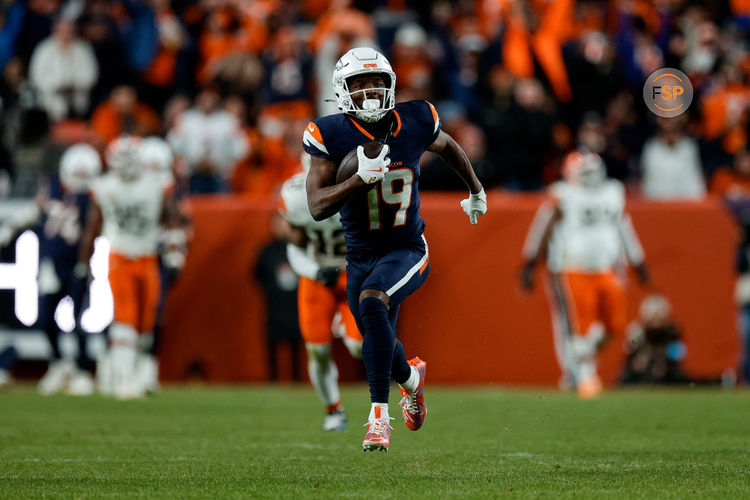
(585, 233)
(317, 253)
(128, 206)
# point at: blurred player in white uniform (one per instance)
(156, 157)
(317, 253)
(129, 204)
(585, 234)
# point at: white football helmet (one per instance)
(122, 157)
(155, 155)
(361, 61)
(79, 164)
(584, 169)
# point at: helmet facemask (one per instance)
(122, 158)
(592, 173)
(373, 108)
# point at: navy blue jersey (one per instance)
(386, 217)
(63, 220)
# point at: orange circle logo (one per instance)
(668, 92)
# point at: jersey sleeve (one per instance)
(293, 202)
(429, 116)
(312, 141)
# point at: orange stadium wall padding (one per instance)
(470, 320)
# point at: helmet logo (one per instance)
(370, 65)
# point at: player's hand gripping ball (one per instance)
(475, 205)
(368, 161)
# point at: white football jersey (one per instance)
(326, 244)
(131, 212)
(594, 233)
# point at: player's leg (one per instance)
(389, 281)
(317, 306)
(167, 277)
(410, 374)
(344, 324)
(59, 371)
(562, 330)
(744, 331)
(123, 334)
(147, 366)
(8, 357)
(613, 308)
(378, 426)
(82, 382)
(581, 298)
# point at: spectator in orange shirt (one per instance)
(734, 182)
(123, 114)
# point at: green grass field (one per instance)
(261, 441)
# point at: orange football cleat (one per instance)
(378, 437)
(413, 406)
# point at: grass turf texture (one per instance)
(260, 441)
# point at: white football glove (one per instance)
(372, 170)
(475, 205)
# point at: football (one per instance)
(349, 165)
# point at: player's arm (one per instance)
(537, 241)
(324, 197)
(454, 156)
(90, 232)
(633, 248)
(175, 235)
(172, 216)
(301, 263)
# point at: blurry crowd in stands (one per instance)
(518, 83)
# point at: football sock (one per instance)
(379, 411)
(377, 347)
(323, 373)
(124, 340)
(400, 370)
(334, 407)
(413, 382)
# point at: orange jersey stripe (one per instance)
(434, 111)
(398, 123)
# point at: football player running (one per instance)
(128, 205)
(585, 234)
(60, 210)
(387, 255)
(317, 253)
